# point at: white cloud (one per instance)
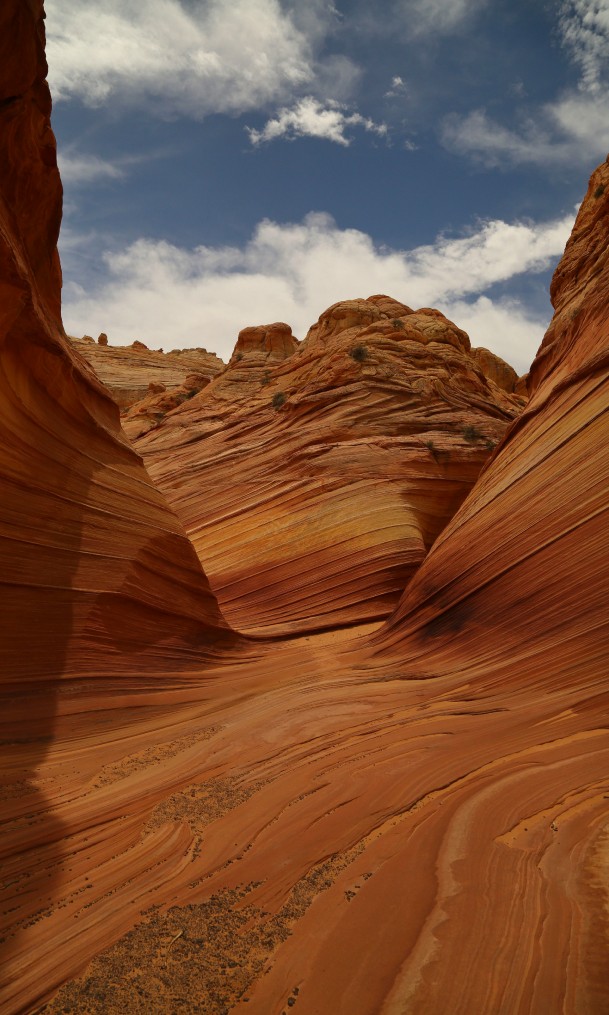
(572, 129)
(172, 297)
(81, 169)
(436, 17)
(311, 118)
(398, 88)
(505, 326)
(584, 27)
(181, 58)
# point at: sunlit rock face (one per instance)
(497, 369)
(129, 371)
(508, 614)
(313, 477)
(95, 566)
(541, 503)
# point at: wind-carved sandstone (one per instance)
(410, 820)
(313, 477)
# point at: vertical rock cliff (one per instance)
(96, 571)
(99, 588)
(519, 577)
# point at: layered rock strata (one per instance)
(418, 823)
(95, 564)
(513, 600)
(312, 478)
(99, 586)
(414, 823)
(132, 372)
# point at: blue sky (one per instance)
(236, 162)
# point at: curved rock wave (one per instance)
(313, 477)
(413, 820)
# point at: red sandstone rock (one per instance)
(457, 778)
(127, 371)
(520, 388)
(513, 599)
(148, 412)
(95, 563)
(265, 344)
(329, 467)
(418, 826)
(493, 366)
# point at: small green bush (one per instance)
(472, 434)
(359, 353)
(192, 392)
(266, 378)
(278, 399)
(397, 324)
(430, 446)
(600, 190)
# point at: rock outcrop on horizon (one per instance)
(313, 477)
(408, 817)
(132, 372)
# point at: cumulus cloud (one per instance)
(226, 56)
(503, 325)
(570, 130)
(311, 118)
(172, 297)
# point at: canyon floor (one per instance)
(243, 837)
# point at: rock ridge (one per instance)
(329, 466)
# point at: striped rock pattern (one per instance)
(313, 477)
(95, 564)
(129, 371)
(414, 820)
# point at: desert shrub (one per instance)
(266, 377)
(359, 353)
(490, 444)
(600, 190)
(472, 434)
(278, 399)
(191, 393)
(430, 446)
(397, 324)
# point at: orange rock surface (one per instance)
(128, 371)
(312, 478)
(412, 820)
(95, 565)
(496, 368)
(147, 413)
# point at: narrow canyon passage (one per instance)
(403, 811)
